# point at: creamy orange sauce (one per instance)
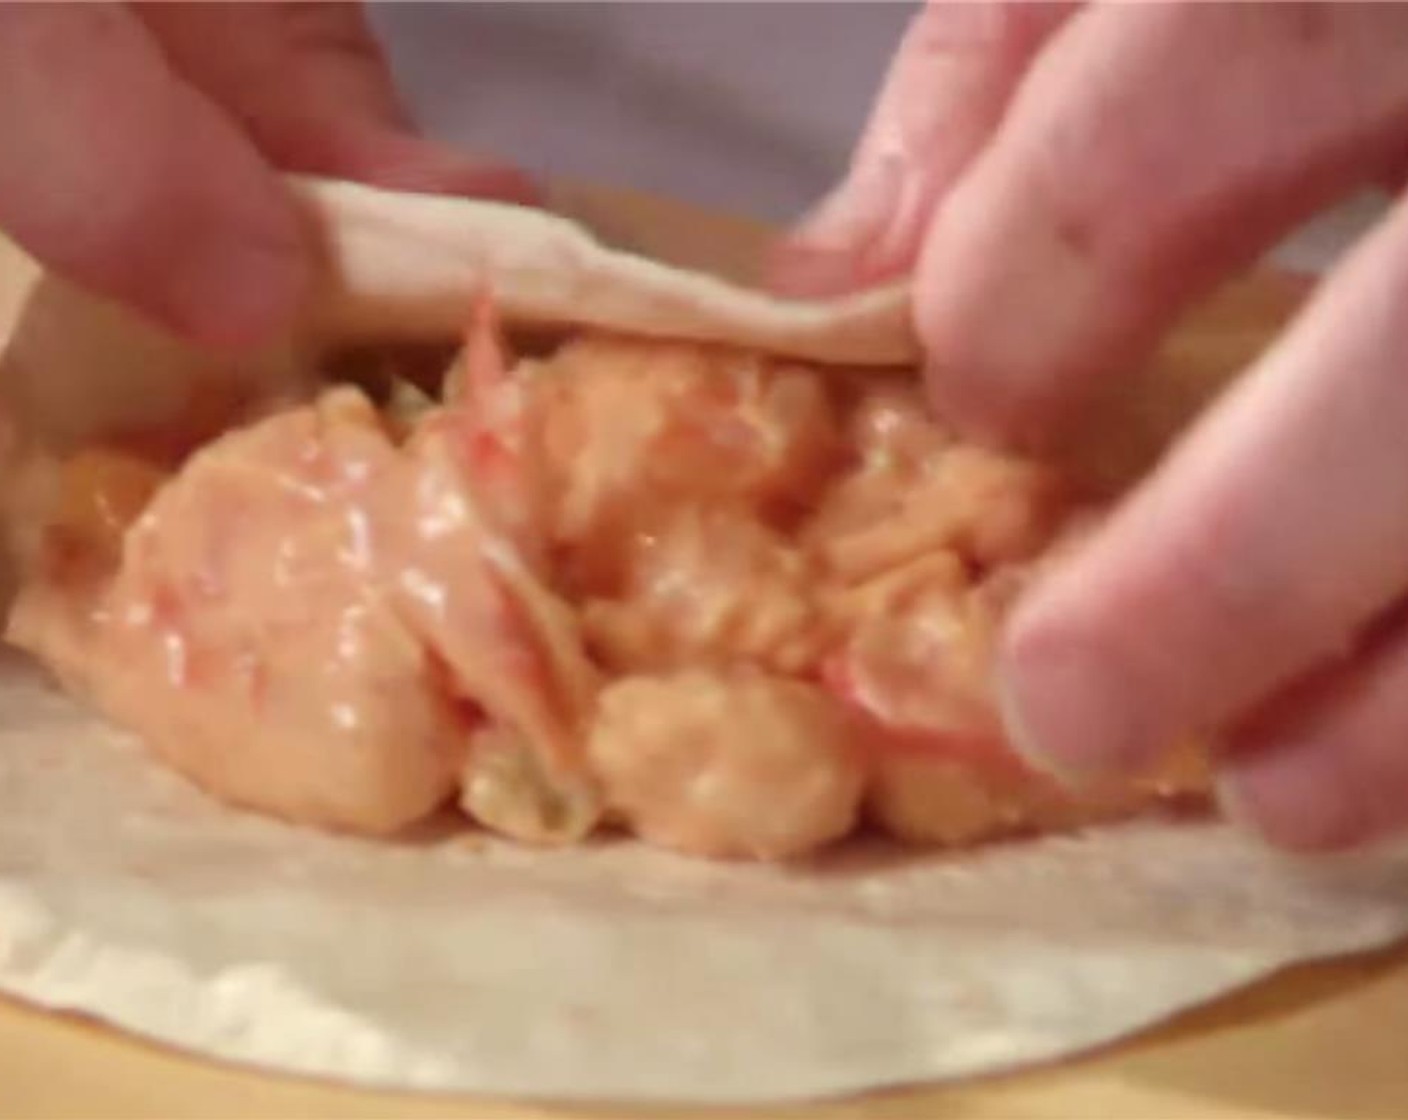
(731, 604)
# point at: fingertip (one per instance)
(503, 182)
(1292, 798)
(213, 246)
(979, 409)
(1024, 741)
(1002, 308)
(235, 290)
(426, 168)
(797, 270)
(1069, 704)
(335, 111)
(394, 160)
(137, 187)
(939, 106)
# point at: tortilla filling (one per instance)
(737, 606)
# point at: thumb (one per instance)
(312, 88)
(114, 171)
(943, 97)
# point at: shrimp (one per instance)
(484, 424)
(83, 508)
(247, 637)
(626, 428)
(507, 641)
(918, 648)
(892, 430)
(739, 765)
(990, 508)
(724, 601)
(918, 668)
(709, 586)
(974, 791)
(311, 621)
(100, 493)
(475, 583)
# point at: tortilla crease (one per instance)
(611, 971)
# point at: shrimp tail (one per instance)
(482, 371)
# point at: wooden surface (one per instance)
(1327, 1041)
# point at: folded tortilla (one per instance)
(468, 964)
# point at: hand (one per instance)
(1063, 182)
(139, 146)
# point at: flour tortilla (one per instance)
(614, 971)
(405, 268)
(401, 266)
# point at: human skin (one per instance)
(142, 145)
(1063, 182)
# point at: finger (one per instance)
(945, 92)
(1151, 150)
(1257, 552)
(313, 89)
(1328, 768)
(116, 173)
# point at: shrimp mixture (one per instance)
(732, 605)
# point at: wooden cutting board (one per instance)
(1327, 1041)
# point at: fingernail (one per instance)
(437, 172)
(826, 253)
(839, 221)
(400, 161)
(802, 271)
(1068, 710)
(233, 293)
(1010, 325)
(1293, 795)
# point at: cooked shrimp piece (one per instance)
(628, 426)
(892, 428)
(964, 792)
(311, 621)
(247, 640)
(916, 667)
(484, 427)
(507, 641)
(101, 494)
(990, 508)
(939, 573)
(92, 499)
(723, 600)
(75, 515)
(708, 586)
(480, 377)
(892, 444)
(740, 765)
(926, 797)
(918, 655)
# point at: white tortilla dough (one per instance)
(400, 266)
(405, 268)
